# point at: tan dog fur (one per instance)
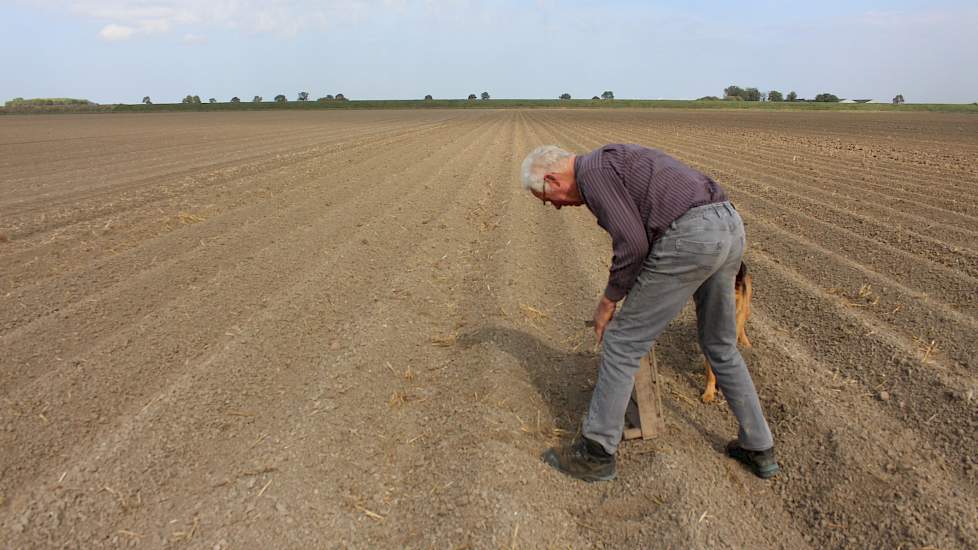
(744, 291)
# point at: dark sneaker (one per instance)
(577, 460)
(762, 463)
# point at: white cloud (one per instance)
(113, 33)
(285, 17)
(194, 39)
(154, 25)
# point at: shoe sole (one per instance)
(767, 472)
(763, 472)
(551, 459)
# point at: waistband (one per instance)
(718, 207)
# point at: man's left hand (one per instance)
(602, 316)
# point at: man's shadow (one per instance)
(562, 378)
(565, 379)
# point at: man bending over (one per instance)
(674, 235)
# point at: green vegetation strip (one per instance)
(28, 106)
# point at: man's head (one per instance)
(548, 173)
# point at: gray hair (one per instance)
(540, 162)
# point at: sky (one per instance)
(117, 51)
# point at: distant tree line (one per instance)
(736, 93)
(730, 93)
(304, 96)
(280, 98)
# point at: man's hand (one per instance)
(602, 316)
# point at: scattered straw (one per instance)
(188, 535)
(925, 348)
(259, 471)
(118, 496)
(262, 492)
(187, 218)
(683, 397)
(444, 341)
(370, 514)
(586, 526)
(929, 350)
(399, 398)
(533, 313)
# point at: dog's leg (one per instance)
(744, 293)
(710, 393)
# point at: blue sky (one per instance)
(120, 50)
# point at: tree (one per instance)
(212, 100)
(472, 97)
(898, 99)
(188, 99)
(280, 98)
(607, 94)
(709, 98)
(732, 91)
(774, 95)
(826, 98)
(595, 97)
(751, 94)
(196, 99)
(330, 97)
(147, 100)
(792, 96)
(428, 98)
(565, 96)
(235, 99)
(485, 96)
(257, 99)
(340, 97)
(303, 96)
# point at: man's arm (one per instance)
(618, 215)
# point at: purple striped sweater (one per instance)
(635, 193)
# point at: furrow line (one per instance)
(196, 190)
(951, 285)
(124, 295)
(151, 351)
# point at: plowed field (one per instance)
(353, 329)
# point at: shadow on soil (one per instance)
(565, 379)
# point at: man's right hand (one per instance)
(602, 316)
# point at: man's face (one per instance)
(557, 191)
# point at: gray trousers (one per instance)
(698, 256)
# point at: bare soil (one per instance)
(353, 329)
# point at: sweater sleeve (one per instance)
(617, 214)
